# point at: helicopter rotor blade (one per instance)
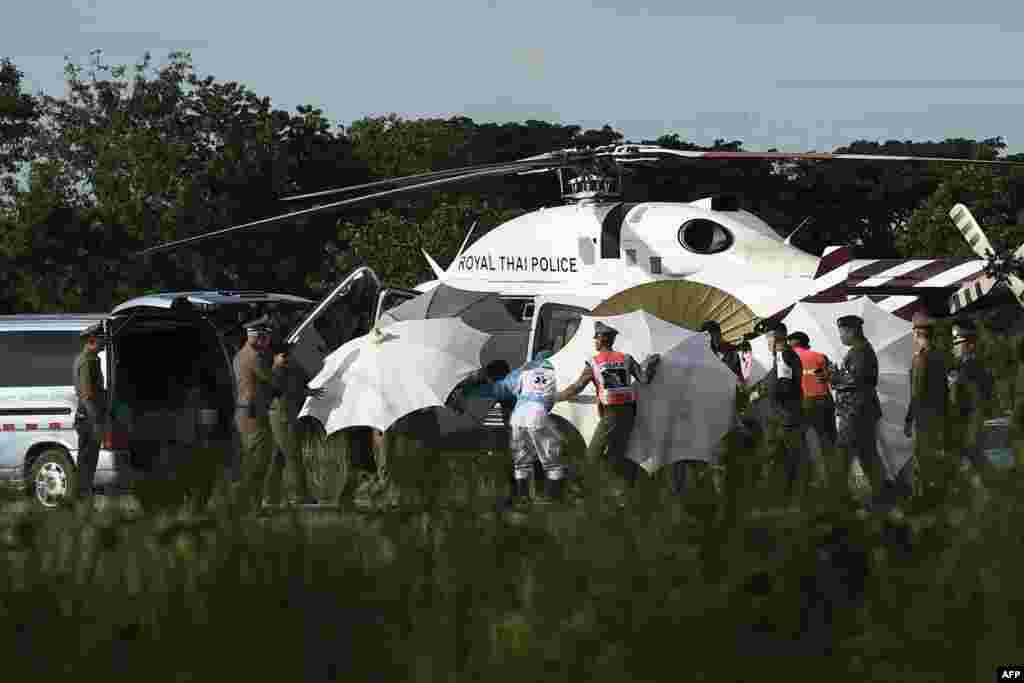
(629, 152)
(500, 170)
(400, 181)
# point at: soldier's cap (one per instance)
(922, 320)
(800, 338)
(776, 327)
(258, 326)
(94, 330)
(600, 329)
(711, 326)
(854, 321)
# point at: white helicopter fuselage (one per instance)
(598, 249)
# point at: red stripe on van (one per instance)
(8, 428)
(30, 426)
(55, 425)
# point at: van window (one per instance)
(38, 359)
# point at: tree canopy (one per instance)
(135, 155)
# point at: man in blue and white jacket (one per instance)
(534, 436)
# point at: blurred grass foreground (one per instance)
(446, 587)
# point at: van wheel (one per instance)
(53, 477)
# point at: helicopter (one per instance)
(596, 244)
(555, 264)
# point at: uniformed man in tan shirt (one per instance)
(252, 413)
(91, 413)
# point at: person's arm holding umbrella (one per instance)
(573, 390)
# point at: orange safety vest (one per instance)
(811, 361)
(613, 379)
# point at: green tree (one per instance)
(995, 198)
(19, 116)
(391, 242)
(129, 160)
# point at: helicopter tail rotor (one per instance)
(1002, 266)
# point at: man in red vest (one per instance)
(819, 408)
(612, 372)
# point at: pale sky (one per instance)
(793, 74)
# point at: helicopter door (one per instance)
(344, 314)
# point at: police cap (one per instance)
(94, 330)
(600, 329)
(711, 326)
(257, 327)
(775, 327)
(851, 321)
(800, 338)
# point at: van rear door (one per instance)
(344, 314)
(391, 297)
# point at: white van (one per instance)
(38, 442)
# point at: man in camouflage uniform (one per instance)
(91, 413)
(857, 407)
(971, 388)
(289, 389)
(784, 418)
(926, 414)
(253, 374)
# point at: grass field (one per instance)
(451, 589)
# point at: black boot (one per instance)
(554, 489)
(521, 492)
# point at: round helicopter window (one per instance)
(704, 237)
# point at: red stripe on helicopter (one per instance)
(833, 260)
(912, 278)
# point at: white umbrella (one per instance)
(682, 414)
(892, 339)
(376, 379)
(686, 409)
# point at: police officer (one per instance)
(725, 351)
(254, 377)
(289, 389)
(971, 388)
(91, 413)
(857, 406)
(926, 414)
(782, 387)
(612, 372)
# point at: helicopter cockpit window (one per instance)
(704, 237)
(556, 326)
